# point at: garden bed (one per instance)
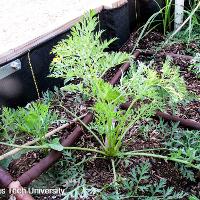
(90, 175)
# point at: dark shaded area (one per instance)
(148, 8)
(22, 80)
(116, 25)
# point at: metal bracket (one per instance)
(10, 68)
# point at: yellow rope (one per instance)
(33, 75)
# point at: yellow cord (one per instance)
(33, 75)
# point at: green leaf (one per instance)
(55, 145)
(193, 197)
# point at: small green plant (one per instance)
(194, 22)
(152, 23)
(189, 31)
(195, 67)
(189, 23)
(8, 122)
(184, 145)
(145, 82)
(149, 90)
(190, 27)
(137, 186)
(182, 37)
(34, 120)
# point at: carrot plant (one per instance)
(34, 120)
(82, 55)
(149, 92)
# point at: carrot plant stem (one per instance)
(48, 147)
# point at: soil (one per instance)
(98, 172)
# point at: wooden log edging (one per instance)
(6, 181)
(173, 55)
(5, 178)
(188, 123)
